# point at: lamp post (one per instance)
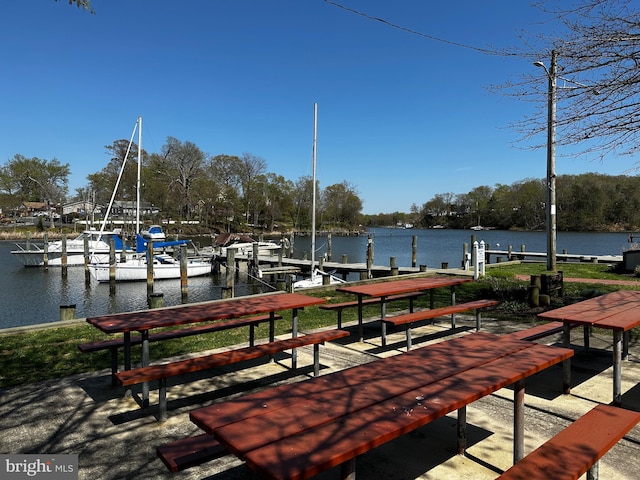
(551, 161)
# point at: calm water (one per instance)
(33, 295)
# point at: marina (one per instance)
(35, 295)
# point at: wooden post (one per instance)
(112, 266)
(87, 259)
(184, 290)
(344, 258)
(67, 312)
(45, 256)
(155, 300)
(414, 251)
(329, 247)
(230, 274)
(149, 254)
(534, 291)
(369, 255)
(393, 267)
(63, 260)
(473, 254)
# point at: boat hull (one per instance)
(134, 270)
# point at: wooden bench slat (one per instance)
(538, 332)
(314, 450)
(189, 452)
(368, 301)
(439, 312)
(574, 450)
(196, 364)
(191, 365)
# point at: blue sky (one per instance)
(400, 117)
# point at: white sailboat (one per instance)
(134, 266)
(317, 277)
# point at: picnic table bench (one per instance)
(339, 307)
(430, 314)
(298, 430)
(162, 372)
(113, 344)
(576, 449)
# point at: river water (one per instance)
(34, 295)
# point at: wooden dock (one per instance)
(561, 257)
(277, 266)
(273, 265)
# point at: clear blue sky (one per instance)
(400, 117)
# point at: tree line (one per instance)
(586, 202)
(222, 192)
(237, 193)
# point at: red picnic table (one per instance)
(146, 320)
(617, 311)
(298, 430)
(388, 288)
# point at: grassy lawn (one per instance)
(40, 355)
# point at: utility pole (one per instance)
(551, 160)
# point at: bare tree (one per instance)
(597, 78)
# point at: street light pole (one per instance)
(551, 161)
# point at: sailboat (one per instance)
(134, 267)
(317, 276)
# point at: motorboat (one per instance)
(317, 279)
(243, 245)
(97, 248)
(154, 232)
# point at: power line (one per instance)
(413, 32)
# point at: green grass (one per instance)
(569, 270)
(53, 353)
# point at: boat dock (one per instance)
(276, 265)
(500, 255)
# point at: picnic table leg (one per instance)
(127, 358)
(316, 359)
(294, 334)
(145, 363)
(518, 421)
(566, 364)
(408, 333)
(453, 302)
(462, 430)
(162, 400)
(617, 367)
(272, 331)
(383, 327)
(360, 329)
(348, 470)
(478, 320)
(586, 334)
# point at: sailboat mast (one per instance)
(313, 198)
(139, 169)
